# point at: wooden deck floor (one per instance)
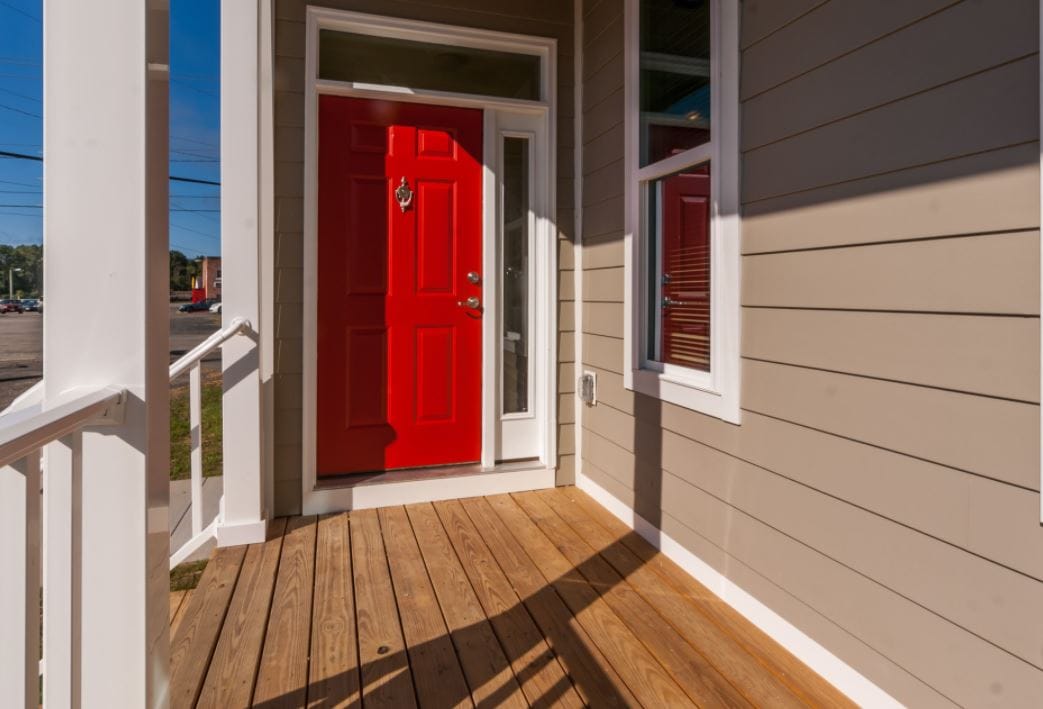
(535, 599)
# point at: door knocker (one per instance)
(404, 195)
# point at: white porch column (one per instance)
(241, 222)
(105, 241)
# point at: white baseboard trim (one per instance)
(361, 497)
(829, 666)
(230, 535)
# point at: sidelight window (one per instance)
(516, 274)
(682, 203)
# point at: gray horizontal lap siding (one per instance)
(882, 491)
(546, 18)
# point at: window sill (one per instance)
(719, 404)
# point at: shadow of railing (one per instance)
(576, 643)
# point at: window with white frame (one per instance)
(682, 203)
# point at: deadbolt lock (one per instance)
(473, 277)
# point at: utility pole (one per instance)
(10, 281)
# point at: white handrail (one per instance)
(237, 326)
(27, 430)
(190, 362)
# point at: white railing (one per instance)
(191, 362)
(25, 429)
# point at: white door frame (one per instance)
(501, 117)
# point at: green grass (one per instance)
(185, 577)
(180, 437)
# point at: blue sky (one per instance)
(194, 123)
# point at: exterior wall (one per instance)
(881, 492)
(546, 18)
(211, 276)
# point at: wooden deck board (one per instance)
(175, 621)
(176, 599)
(646, 678)
(697, 677)
(812, 688)
(385, 674)
(487, 670)
(200, 624)
(282, 677)
(720, 649)
(594, 677)
(536, 599)
(535, 664)
(333, 679)
(233, 669)
(437, 674)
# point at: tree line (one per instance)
(25, 265)
(22, 267)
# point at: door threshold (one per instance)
(403, 487)
(434, 472)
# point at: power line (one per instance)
(21, 61)
(194, 181)
(195, 231)
(174, 178)
(194, 140)
(20, 156)
(27, 97)
(189, 153)
(21, 206)
(20, 11)
(18, 110)
(187, 85)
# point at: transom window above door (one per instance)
(428, 65)
(682, 203)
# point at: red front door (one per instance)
(399, 351)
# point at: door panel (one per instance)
(399, 361)
(435, 243)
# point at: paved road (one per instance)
(21, 346)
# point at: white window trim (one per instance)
(715, 393)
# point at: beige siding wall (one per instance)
(545, 18)
(881, 492)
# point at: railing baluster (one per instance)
(63, 495)
(195, 418)
(20, 592)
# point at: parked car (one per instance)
(7, 305)
(216, 307)
(197, 307)
(31, 305)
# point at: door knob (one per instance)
(473, 303)
(670, 302)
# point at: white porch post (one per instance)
(105, 240)
(241, 219)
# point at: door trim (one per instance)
(497, 112)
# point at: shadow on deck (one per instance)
(533, 599)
